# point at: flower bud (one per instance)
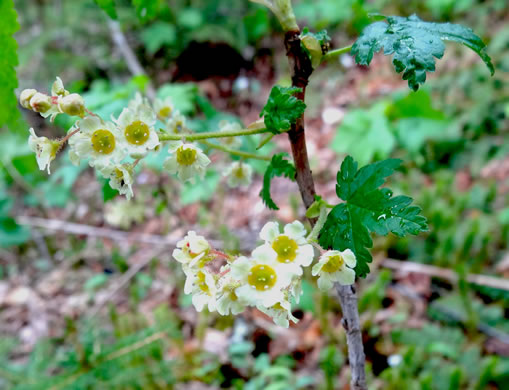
(72, 105)
(40, 102)
(57, 89)
(24, 98)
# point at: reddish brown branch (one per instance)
(301, 70)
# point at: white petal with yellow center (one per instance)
(138, 135)
(186, 160)
(45, 150)
(97, 140)
(335, 266)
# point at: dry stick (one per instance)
(132, 62)
(444, 273)
(301, 70)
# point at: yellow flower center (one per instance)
(278, 306)
(178, 127)
(119, 175)
(165, 112)
(186, 156)
(201, 282)
(103, 141)
(286, 249)
(239, 172)
(334, 264)
(233, 296)
(262, 277)
(137, 133)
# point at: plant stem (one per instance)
(301, 70)
(211, 134)
(333, 54)
(235, 152)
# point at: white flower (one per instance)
(57, 89)
(231, 142)
(45, 149)
(291, 248)
(163, 108)
(281, 313)
(137, 128)
(239, 174)
(176, 124)
(123, 213)
(202, 286)
(138, 102)
(228, 301)
(121, 178)
(191, 250)
(187, 160)
(296, 288)
(335, 266)
(262, 278)
(98, 140)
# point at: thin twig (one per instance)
(127, 276)
(443, 273)
(236, 152)
(132, 62)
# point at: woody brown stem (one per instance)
(301, 70)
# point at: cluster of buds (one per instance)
(268, 279)
(115, 147)
(60, 101)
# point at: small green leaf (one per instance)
(108, 6)
(278, 167)
(146, 9)
(367, 209)
(8, 61)
(158, 35)
(415, 45)
(282, 109)
(315, 45)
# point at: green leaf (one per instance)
(315, 45)
(278, 167)
(192, 193)
(366, 209)
(108, 6)
(365, 134)
(146, 9)
(8, 61)
(158, 35)
(415, 45)
(282, 109)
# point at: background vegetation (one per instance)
(89, 295)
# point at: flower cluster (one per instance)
(114, 147)
(268, 279)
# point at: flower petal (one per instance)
(270, 231)
(346, 276)
(349, 258)
(295, 230)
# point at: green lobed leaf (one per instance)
(278, 167)
(108, 6)
(368, 209)
(8, 61)
(415, 44)
(282, 109)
